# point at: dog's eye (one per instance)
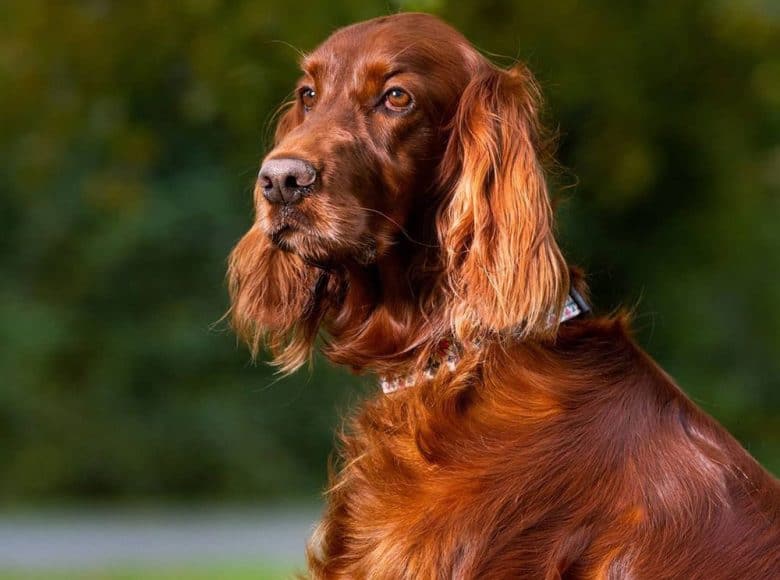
(308, 97)
(397, 99)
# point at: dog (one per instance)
(403, 217)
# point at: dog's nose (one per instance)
(286, 180)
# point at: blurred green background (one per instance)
(130, 137)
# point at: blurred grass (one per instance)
(184, 572)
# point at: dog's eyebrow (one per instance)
(394, 72)
(311, 67)
(381, 71)
(371, 77)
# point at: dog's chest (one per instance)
(405, 507)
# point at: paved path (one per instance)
(78, 539)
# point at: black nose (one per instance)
(286, 180)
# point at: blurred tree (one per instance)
(130, 135)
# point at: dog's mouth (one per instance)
(281, 237)
(295, 231)
(291, 231)
(284, 224)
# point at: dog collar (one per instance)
(575, 306)
(447, 351)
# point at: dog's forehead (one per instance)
(407, 41)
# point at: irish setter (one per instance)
(403, 217)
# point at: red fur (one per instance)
(549, 451)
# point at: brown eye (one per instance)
(308, 97)
(397, 99)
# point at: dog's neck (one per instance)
(391, 318)
(448, 352)
(386, 315)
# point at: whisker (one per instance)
(268, 124)
(300, 53)
(400, 227)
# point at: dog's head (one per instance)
(400, 129)
(359, 145)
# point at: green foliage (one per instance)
(130, 134)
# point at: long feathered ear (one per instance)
(274, 300)
(505, 269)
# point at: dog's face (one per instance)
(359, 145)
(398, 123)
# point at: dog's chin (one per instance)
(283, 238)
(322, 252)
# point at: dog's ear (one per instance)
(505, 268)
(273, 300)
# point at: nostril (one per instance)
(265, 182)
(306, 176)
(291, 182)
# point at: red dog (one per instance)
(404, 212)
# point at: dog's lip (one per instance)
(284, 219)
